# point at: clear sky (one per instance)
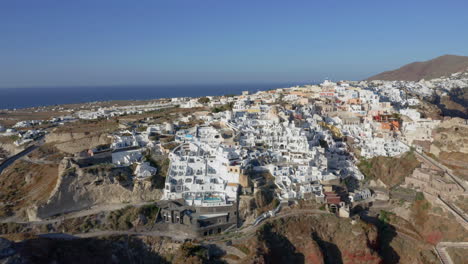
(116, 42)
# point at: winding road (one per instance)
(12, 159)
(6, 163)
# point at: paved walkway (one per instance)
(442, 253)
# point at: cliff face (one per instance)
(438, 67)
(450, 136)
(450, 145)
(70, 142)
(80, 188)
(314, 239)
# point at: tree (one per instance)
(204, 100)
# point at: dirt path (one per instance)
(171, 234)
(90, 211)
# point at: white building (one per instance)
(126, 157)
(203, 175)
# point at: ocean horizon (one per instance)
(16, 98)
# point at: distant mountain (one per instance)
(438, 67)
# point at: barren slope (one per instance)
(438, 67)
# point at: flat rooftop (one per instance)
(207, 216)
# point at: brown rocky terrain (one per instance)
(437, 67)
(44, 183)
(7, 147)
(80, 188)
(453, 106)
(390, 170)
(293, 239)
(328, 239)
(450, 145)
(25, 184)
(314, 239)
(458, 255)
(82, 135)
(426, 225)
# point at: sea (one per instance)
(16, 98)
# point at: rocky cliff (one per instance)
(450, 136)
(80, 188)
(450, 145)
(314, 239)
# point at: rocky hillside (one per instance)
(7, 147)
(328, 239)
(80, 188)
(314, 239)
(450, 145)
(435, 68)
(25, 184)
(390, 170)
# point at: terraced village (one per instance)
(346, 172)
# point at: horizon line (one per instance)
(159, 85)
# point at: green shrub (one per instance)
(150, 211)
(204, 100)
(419, 196)
(384, 216)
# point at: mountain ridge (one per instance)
(441, 66)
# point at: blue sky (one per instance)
(114, 42)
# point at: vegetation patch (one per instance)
(222, 108)
(89, 127)
(390, 170)
(242, 248)
(47, 152)
(204, 100)
(9, 139)
(191, 253)
(420, 209)
(127, 217)
(162, 164)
